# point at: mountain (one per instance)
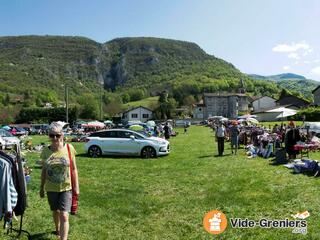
(291, 82)
(279, 77)
(38, 68)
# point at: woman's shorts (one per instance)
(60, 201)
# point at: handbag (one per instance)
(75, 197)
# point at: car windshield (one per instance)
(141, 134)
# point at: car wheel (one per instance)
(94, 151)
(148, 152)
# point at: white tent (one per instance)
(283, 112)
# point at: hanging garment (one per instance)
(22, 203)
(8, 194)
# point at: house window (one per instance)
(145, 115)
(134, 115)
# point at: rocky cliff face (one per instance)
(41, 61)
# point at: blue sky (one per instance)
(262, 37)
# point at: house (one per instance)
(227, 104)
(316, 96)
(142, 114)
(262, 103)
(291, 99)
(47, 105)
(198, 110)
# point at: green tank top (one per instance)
(57, 166)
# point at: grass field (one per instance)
(150, 102)
(167, 197)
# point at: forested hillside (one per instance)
(36, 69)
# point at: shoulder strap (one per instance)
(71, 164)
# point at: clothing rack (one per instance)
(11, 229)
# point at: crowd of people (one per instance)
(260, 139)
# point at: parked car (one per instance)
(8, 137)
(18, 131)
(182, 123)
(311, 127)
(125, 142)
(39, 128)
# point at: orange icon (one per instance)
(215, 222)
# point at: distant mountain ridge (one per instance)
(278, 77)
(291, 82)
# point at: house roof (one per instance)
(224, 94)
(301, 99)
(257, 98)
(128, 110)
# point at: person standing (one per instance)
(167, 131)
(185, 127)
(291, 138)
(56, 179)
(234, 137)
(220, 135)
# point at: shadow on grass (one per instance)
(117, 156)
(42, 236)
(216, 155)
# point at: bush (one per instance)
(311, 114)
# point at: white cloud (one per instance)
(286, 68)
(293, 47)
(306, 62)
(315, 70)
(294, 55)
(316, 60)
(307, 52)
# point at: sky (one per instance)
(256, 36)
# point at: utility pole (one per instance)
(66, 93)
(101, 117)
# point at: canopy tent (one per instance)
(284, 112)
(94, 124)
(252, 120)
(247, 116)
(248, 120)
(136, 127)
(108, 122)
(63, 124)
(151, 123)
(6, 128)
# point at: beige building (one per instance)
(227, 105)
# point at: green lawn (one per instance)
(167, 197)
(150, 102)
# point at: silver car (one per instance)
(125, 142)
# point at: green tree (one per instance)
(125, 97)
(90, 107)
(6, 100)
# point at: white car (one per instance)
(8, 138)
(125, 142)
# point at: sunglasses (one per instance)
(51, 135)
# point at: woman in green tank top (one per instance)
(56, 179)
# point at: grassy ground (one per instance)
(167, 197)
(150, 102)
